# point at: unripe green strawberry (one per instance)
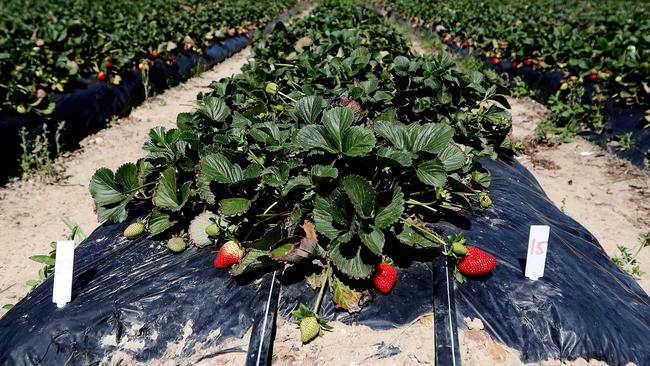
(134, 230)
(484, 200)
(177, 244)
(458, 248)
(271, 88)
(212, 230)
(309, 329)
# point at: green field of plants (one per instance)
(337, 178)
(607, 42)
(46, 44)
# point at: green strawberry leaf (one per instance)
(414, 238)
(430, 137)
(358, 141)
(328, 211)
(159, 222)
(112, 193)
(214, 109)
(309, 107)
(347, 258)
(43, 259)
(324, 171)
(254, 260)
(313, 137)
(296, 182)
(400, 157)
(218, 168)
(234, 206)
(361, 193)
(452, 157)
(373, 240)
(107, 189)
(388, 215)
(337, 121)
(267, 240)
(168, 195)
(432, 172)
(345, 297)
(393, 132)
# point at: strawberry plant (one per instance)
(48, 44)
(606, 44)
(329, 154)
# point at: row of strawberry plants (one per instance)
(46, 45)
(607, 44)
(330, 154)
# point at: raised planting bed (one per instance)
(339, 177)
(79, 83)
(593, 62)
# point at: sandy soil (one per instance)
(411, 345)
(232, 351)
(607, 195)
(31, 210)
(356, 345)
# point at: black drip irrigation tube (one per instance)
(91, 103)
(618, 120)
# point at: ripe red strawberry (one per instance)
(495, 61)
(514, 63)
(229, 254)
(385, 278)
(101, 76)
(593, 76)
(109, 64)
(528, 62)
(465, 44)
(476, 262)
(540, 62)
(154, 53)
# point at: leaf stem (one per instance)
(424, 231)
(286, 96)
(269, 208)
(322, 288)
(255, 158)
(140, 187)
(422, 204)
(286, 65)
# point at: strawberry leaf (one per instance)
(388, 215)
(168, 195)
(234, 206)
(430, 137)
(347, 258)
(432, 172)
(328, 211)
(159, 222)
(308, 108)
(373, 240)
(345, 297)
(214, 109)
(361, 193)
(254, 260)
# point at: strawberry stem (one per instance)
(286, 96)
(425, 232)
(322, 288)
(421, 204)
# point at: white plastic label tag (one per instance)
(537, 248)
(62, 292)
